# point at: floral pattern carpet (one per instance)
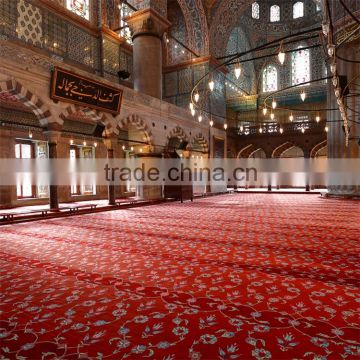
(237, 276)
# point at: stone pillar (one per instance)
(337, 148)
(53, 138)
(111, 144)
(307, 157)
(147, 27)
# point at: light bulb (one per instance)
(84, 143)
(335, 81)
(272, 116)
(326, 129)
(211, 123)
(331, 49)
(211, 85)
(302, 130)
(325, 29)
(281, 130)
(303, 95)
(241, 128)
(264, 110)
(141, 150)
(237, 70)
(191, 106)
(193, 112)
(281, 57)
(123, 147)
(95, 144)
(225, 126)
(260, 130)
(274, 104)
(71, 141)
(317, 118)
(196, 97)
(132, 148)
(333, 68)
(30, 135)
(200, 118)
(291, 117)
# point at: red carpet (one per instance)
(249, 276)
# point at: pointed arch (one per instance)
(200, 139)
(28, 99)
(196, 25)
(136, 121)
(317, 148)
(177, 132)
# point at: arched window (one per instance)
(275, 13)
(255, 11)
(79, 7)
(270, 78)
(300, 66)
(298, 10)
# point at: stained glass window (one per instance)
(270, 79)
(300, 66)
(125, 31)
(79, 7)
(298, 10)
(275, 13)
(255, 10)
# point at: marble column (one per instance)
(53, 138)
(336, 136)
(111, 144)
(147, 27)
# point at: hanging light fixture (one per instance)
(225, 126)
(238, 70)
(335, 81)
(325, 28)
(331, 50)
(132, 148)
(95, 144)
(317, 118)
(241, 128)
(303, 95)
(211, 123)
(71, 141)
(272, 115)
(281, 54)
(337, 92)
(193, 112)
(302, 129)
(200, 118)
(264, 111)
(260, 130)
(291, 117)
(281, 130)
(274, 104)
(196, 97)
(326, 129)
(333, 68)
(30, 134)
(191, 106)
(211, 84)
(123, 147)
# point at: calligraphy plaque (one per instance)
(69, 87)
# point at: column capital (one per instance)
(52, 136)
(110, 142)
(147, 22)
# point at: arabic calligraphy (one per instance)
(70, 87)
